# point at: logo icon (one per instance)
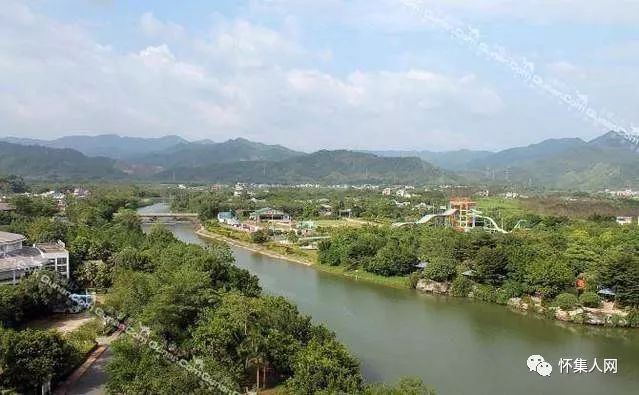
(537, 363)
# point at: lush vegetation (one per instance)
(190, 302)
(545, 260)
(566, 163)
(326, 167)
(307, 203)
(52, 164)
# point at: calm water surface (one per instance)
(455, 345)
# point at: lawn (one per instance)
(395, 282)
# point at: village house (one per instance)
(325, 210)
(403, 193)
(6, 207)
(17, 260)
(269, 214)
(227, 217)
(400, 204)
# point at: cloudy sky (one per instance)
(311, 74)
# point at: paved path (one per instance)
(91, 377)
(93, 381)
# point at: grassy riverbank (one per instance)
(296, 255)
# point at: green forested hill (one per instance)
(54, 164)
(605, 162)
(329, 167)
(587, 167)
(207, 153)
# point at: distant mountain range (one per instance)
(107, 145)
(450, 160)
(566, 163)
(200, 154)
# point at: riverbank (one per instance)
(604, 316)
(253, 247)
(268, 250)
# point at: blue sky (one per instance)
(354, 74)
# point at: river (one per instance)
(457, 346)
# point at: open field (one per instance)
(64, 323)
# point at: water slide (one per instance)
(427, 218)
(478, 214)
(450, 212)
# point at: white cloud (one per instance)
(243, 79)
(547, 11)
(240, 78)
(153, 27)
(400, 15)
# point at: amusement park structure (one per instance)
(462, 215)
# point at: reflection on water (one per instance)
(455, 345)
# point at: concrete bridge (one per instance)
(169, 215)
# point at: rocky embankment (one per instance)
(606, 315)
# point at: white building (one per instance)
(403, 193)
(624, 220)
(16, 259)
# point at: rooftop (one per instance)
(6, 237)
(6, 207)
(27, 257)
(51, 247)
(268, 210)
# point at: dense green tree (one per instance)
(137, 369)
(581, 256)
(93, 274)
(441, 269)
(566, 301)
(589, 299)
(406, 386)
(324, 366)
(160, 235)
(397, 257)
(13, 184)
(259, 237)
(620, 271)
(11, 306)
(549, 276)
(30, 358)
(133, 259)
(34, 206)
(490, 265)
(43, 230)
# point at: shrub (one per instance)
(633, 318)
(413, 279)
(484, 292)
(614, 321)
(259, 237)
(83, 338)
(589, 299)
(566, 301)
(579, 318)
(549, 312)
(510, 289)
(440, 269)
(461, 286)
